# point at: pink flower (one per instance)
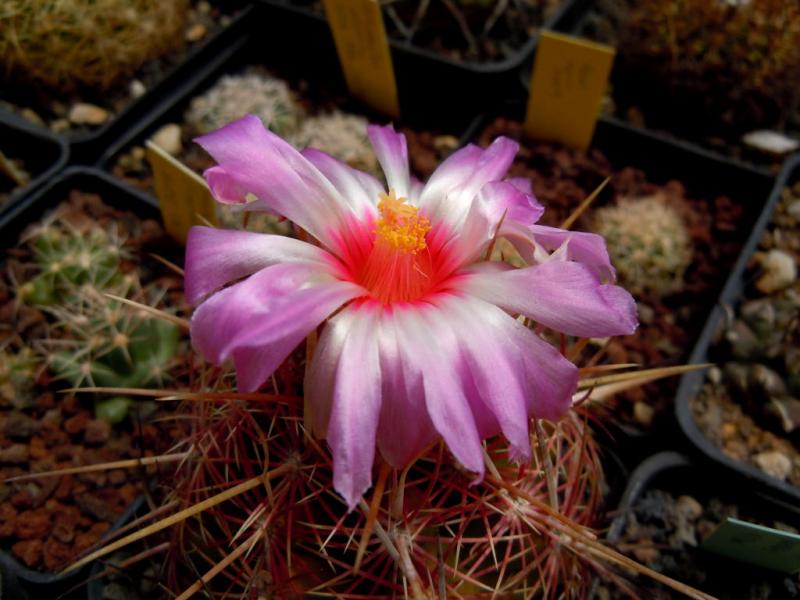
(422, 342)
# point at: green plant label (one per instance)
(757, 545)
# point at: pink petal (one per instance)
(260, 320)
(565, 296)
(405, 429)
(583, 247)
(253, 159)
(359, 190)
(215, 257)
(392, 152)
(495, 366)
(356, 402)
(451, 188)
(433, 351)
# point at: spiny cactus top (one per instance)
(422, 342)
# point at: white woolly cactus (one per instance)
(341, 135)
(648, 243)
(235, 96)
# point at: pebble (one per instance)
(83, 113)
(774, 463)
(33, 117)
(689, 507)
(196, 32)
(137, 89)
(59, 125)
(643, 413)
(168, 138)
(771, 142)
(780, 271)
(794, 210)
(14, 454)
(97, 431)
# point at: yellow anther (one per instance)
(400, 224)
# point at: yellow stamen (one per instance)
(400, 225)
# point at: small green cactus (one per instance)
(103, 343)
(341, 135)
(648, 243)
(17, 372)
(235, 96)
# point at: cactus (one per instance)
(715, 64)
(97, 341)
(235, 96)
(17, 374)
(341, 135)
(648, 243)
(69, 45)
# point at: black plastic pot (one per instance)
(246, 51)
(86, 146)
(428, 84)
(691, 383)
(43, 153)
(22, 582)
(679, 475)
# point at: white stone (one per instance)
(774, 463)
(83, 113)
(168, 138)
(771, 142)
(780, 271)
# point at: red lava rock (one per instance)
(7, 518)
(56, 555)
(46, 400)
(29, 552)
(97, 431)
(84, 540)
(15, 453)
(32, 524)
(70, 405)
(37, 448)
(66, 522)
(117, 477)
(64, 489)
(76, 424)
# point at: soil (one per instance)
(663, 530)
(463, 31)
(47, 522)
(750, 406)
(51, 109)
(562, 179)
(426, 149)
(635, 98)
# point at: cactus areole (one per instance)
(423, 342)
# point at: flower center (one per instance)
(400, 225)
(399, 267)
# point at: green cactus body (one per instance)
(103, 343)
(648, 243)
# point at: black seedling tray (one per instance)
(37, 584)
(42, 153)
(86, 146)
(432, 86)
(679, 475)
(691, 383)
(248, 50)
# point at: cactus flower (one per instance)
(420, 339)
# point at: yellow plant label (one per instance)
(360, 38)
(183, 195)
(568, 81)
